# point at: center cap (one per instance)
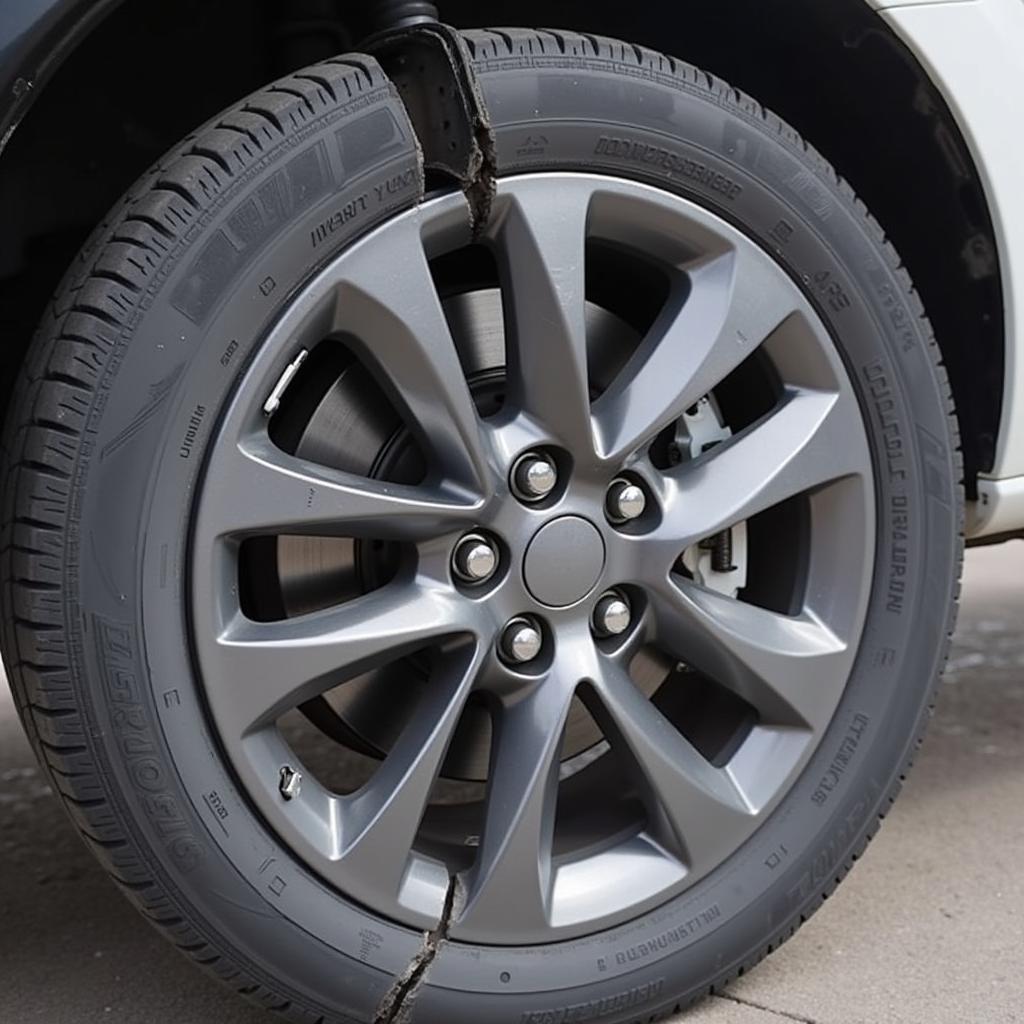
(564, 561)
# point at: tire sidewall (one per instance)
(130, 576)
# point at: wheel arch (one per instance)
(839, 77)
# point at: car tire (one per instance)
(106, 458)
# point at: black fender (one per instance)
(36, 36)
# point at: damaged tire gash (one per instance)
(287, 400)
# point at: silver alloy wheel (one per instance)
(727, 300)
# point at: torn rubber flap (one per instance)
(432, 69)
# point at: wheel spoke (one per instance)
(701, 804)
(263, 490)
(541, 240)
(646, 809)
(380, 821)
(387, 300)
(811, 440)
(258, 670)
(787, 667)
(515, 851)
(733, 303)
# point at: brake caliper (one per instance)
(718, 562)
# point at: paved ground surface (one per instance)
(929, 929)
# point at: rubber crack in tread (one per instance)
(481, 183)
(782, 1014)
(481, 187)
(445, 68)
(396, 1006)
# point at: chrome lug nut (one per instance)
(475, 559)
(612, 615)
(534, 476)
(521, 641)
(626, 501)
(291, 782)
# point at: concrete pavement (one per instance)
(928, 929)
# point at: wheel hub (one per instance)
(564, 561)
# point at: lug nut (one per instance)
(612, 615)
(534, 476)
(475, 559)
(521, 641)
(291, 782)
(625, 501)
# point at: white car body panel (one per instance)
(974, 52)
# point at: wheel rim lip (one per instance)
(304, 826)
